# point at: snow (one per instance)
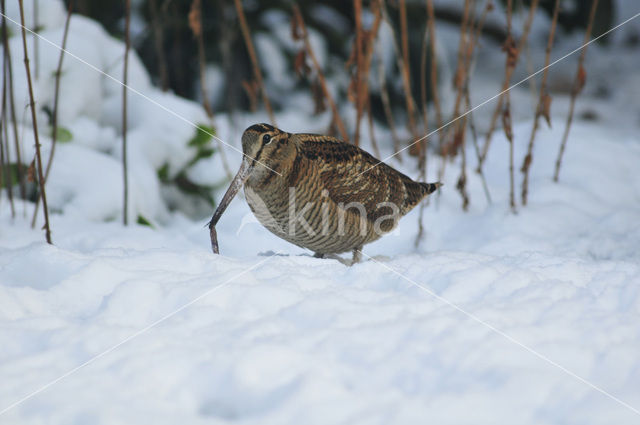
(143, 324)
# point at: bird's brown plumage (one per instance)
(321, 193)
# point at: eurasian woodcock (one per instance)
(318, 192)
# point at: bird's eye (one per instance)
(266, 139)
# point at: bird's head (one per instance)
(263, 146)
(261, 142)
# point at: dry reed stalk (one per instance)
(465, 53)
(406, 77)
(456, 134)
(254, 59)
(474, 137)
(423, 81)
(420, 233)
(5, 170)
(195, 24)
(374, 143)
(251, 90)
(400, 63)
(528, 58)
(506, 123)
(459, 80)
(578, 85)
(158, 42)
(422, 153)
(422, 147)
(386, 105)
(542, 109)
(125, 75)
(359, 93)
(431, 25)
(467, 95)
(12, 109)
(372, 34)
(512, 59)
(364, 54)
(54, 112)
(56, 95)
(299, 32)
(510, 64)
(32, 102)
(461, 185)
(36, 44)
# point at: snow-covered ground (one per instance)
(495, 318)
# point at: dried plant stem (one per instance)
(461, 186)
(577, 88)
(528, 58)
(359, 92)
(36, 40)
(125, 73)
(12, 109)
(431, 25)
(54, 113)
(422, 154)
(323, 83)
(512, 61)
(465, 54)
(195, 21)
(542, 109)
(467, 95)
(457, 131)
(506, 122)
(158, 41)
(386, 105)
(460, 79)
(476, 146)
(374, 143)
(56, 96)
(423, 82)
(400, 64)
(420, 233)
(5, 170)
(254, 59)
(32, 102)
(363, 62)
(368, 57)
(406, 78)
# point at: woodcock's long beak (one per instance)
(243, 173)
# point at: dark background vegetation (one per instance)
(167, 21)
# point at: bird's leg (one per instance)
(318, 255)
(357, 255)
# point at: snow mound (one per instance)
(287, 338)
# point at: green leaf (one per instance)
(15, 171)
(184, 184)
(163, 173)
(63, 135)
(203, 136)
(205, 153)
(200, 154)
(144, 222)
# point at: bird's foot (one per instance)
(357, 255)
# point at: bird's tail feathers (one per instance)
(431, 187)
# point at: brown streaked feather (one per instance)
(324, 175)
(351, 174)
